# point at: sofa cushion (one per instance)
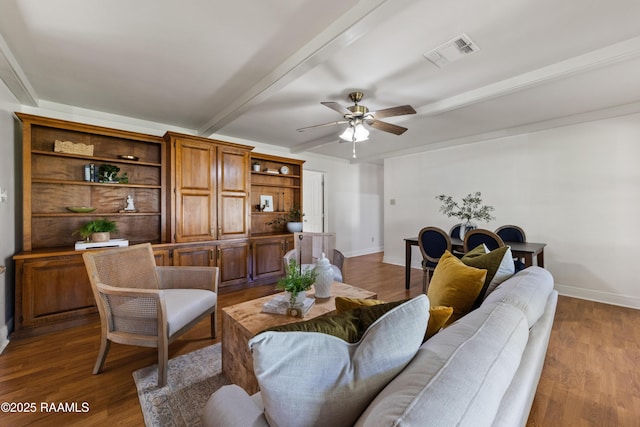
(310, 378)
(458, 377)
(349, 325)
(455, 285)
(438, 315)
(498, 263)
(528, 290)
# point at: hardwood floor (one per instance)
(590, 376)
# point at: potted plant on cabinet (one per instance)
(98, 230)
(293, 219)
(296, 282)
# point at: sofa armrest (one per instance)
(231, 406)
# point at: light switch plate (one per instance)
(4, 196)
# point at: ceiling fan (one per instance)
(358, 115)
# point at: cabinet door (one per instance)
(233, 260)
(233, 193)
(162, 257)
(195, 191)
(267, 258)
(200, 256)
(52, 289)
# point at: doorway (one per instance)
(313, 201)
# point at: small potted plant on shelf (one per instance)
(293, 219)
(98, 230)
(296, 282)
(471, 209)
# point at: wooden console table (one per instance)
(526, 250)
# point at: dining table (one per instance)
(524, 250)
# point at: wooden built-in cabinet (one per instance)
(196, 199)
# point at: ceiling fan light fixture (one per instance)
(357, 133)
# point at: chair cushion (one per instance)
(310, 378)
(185, 305)
(455, 285)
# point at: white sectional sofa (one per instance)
(482, 370)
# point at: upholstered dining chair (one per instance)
(433, 242)
(145, 305)
(455, 230)
(479, 236)
(513, 233)
(337, 262)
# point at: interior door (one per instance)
(313, 201)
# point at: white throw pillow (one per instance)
(505, 270)
(311, 378)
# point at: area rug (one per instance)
(191, 380)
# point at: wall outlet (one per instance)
(4, 196)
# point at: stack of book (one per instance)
(280, 305)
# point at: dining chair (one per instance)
(479, 236)
(337, 262)
(433, 242)
(144, 305)
(455, 230)
(511, 233)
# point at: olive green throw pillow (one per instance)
(498, 263)
(455, 285)
(438, 315)
(348, 326)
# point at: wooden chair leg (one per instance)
(213, 323)
(102, 354)
(425, 274)
(163, 355)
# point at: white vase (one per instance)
(299, 299)
(294, 227)
(465, 228)
(324, 277)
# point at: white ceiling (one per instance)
(258, 69)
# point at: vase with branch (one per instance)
(471, 209)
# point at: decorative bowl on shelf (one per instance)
(128, 157)
(81, 209)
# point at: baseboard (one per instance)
(4, 338)
(401, 261)
(598, 296)
(366, 251)
(568, 291)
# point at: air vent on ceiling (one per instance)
(452, 50)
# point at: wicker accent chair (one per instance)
(145, 305)
(479, 236)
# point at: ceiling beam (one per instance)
(598, 58)
(359, 20)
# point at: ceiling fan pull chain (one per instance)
(354, 147)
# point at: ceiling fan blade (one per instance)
(387, 127)
(337, 107)
(400, 110)
(339, 122)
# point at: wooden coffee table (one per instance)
(243, 321)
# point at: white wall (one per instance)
(576, 188)
(8, 104)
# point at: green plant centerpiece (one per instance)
(470, 209)
(296, 280)
(93, 229)
(293, 219)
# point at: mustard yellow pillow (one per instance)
(456, 285)
(438, 316)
